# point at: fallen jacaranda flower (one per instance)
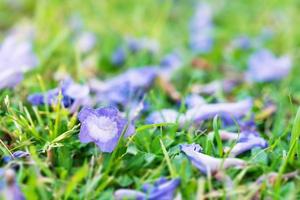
(162, 189)
(85, 41)
(263, 66)
(16, 58)
(201, 29)
(10, 190)
(208, 164)
(16, 155)
(126, 87)
(224, 110)
(214, 87)
(246, 143)
(246, 140)
(169, 64)
(73, 96)
(104, 127)
(142, 44)
(165, 116)
(194, 100)
(119, 56)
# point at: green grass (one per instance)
(63, 168)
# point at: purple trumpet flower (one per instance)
(16, 155)
(142, 44)
(264, 66)
(123, 89)
(10, 190)
(247, 139)
(73, 96)
(85, 42)
(194, 100)
(215, 86)
(224, 110)
(165, 116)
(201, 29)
(207, 164)
(16, 58)
(169, 64)
(103, 126)
(119, 56)
(162, 189)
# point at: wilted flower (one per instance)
(11, 189)
(16, 155)
(264, 66)
(16, 58)
(201, 29)
(162, 189)
(169, 64)
(73, 96)
(126, 87)
(165, 116)
(194, 100)
(208, 164)
(246, 140)
(119, 56)
(103, 126)
(224, 110)
(85, 41)
(214, 87)
(142, 44)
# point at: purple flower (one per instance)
(215, 86)
(263, 66)
(194, 100)
(207, 164)
(169, 64)
(201, 29)
(103, 126)
(162, 189)
(225, 110)
(17, 154)
(73, 96)
(247, 139)
(16, 58)
(242, 42)
(11, 189)
(142, 44)
(165, 116)
(85, 42)
(118, 58)
(123, 89)
(246, 143)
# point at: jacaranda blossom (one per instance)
(263, 66)
(11, 189)
(16, 58)
(165, 116)
(73, 96)
(246, 140)
(214, 87)
(201, 29)
(224, 110)
(104, 127)
(126, 87)
(162, 189)
(85, 41)
(142, 44)
(16, 155)
(169, 64)
(194, 100)
(119, 56)
(208, 164)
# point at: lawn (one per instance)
(152, 99)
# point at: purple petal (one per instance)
(123, 194)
